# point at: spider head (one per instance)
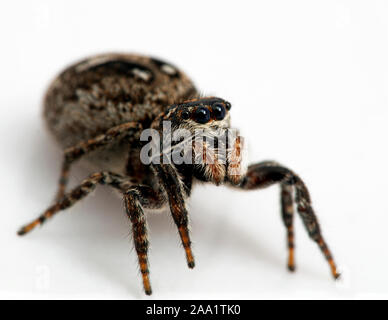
(200, 129)
(208, 113)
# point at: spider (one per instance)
(97, 109)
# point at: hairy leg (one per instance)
(136, 198)
(287, 205)
(76, 152)
(69, 199)
(267, 173)
(175, 191)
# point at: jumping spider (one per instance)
(97, 109)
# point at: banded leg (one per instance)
(287, 205)
(76, 152)
(136, 198)
(175, 191)
(265, 174)
(69, 199)
(63, 180)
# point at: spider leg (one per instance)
(135, 198)
(63, 179)
(267, 173)
(287, 205)
(175, 191)
(76, 152)
(79, 192)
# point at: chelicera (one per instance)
(97, 110)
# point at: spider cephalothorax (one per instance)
(200, 128)
(105, 108)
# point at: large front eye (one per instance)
(202, 115)
(218, 111)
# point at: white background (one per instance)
(309, 85)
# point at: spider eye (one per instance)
(228, 105)
(218, 111)
(185, 115)
(202, 115)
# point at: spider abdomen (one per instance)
(92, 96)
